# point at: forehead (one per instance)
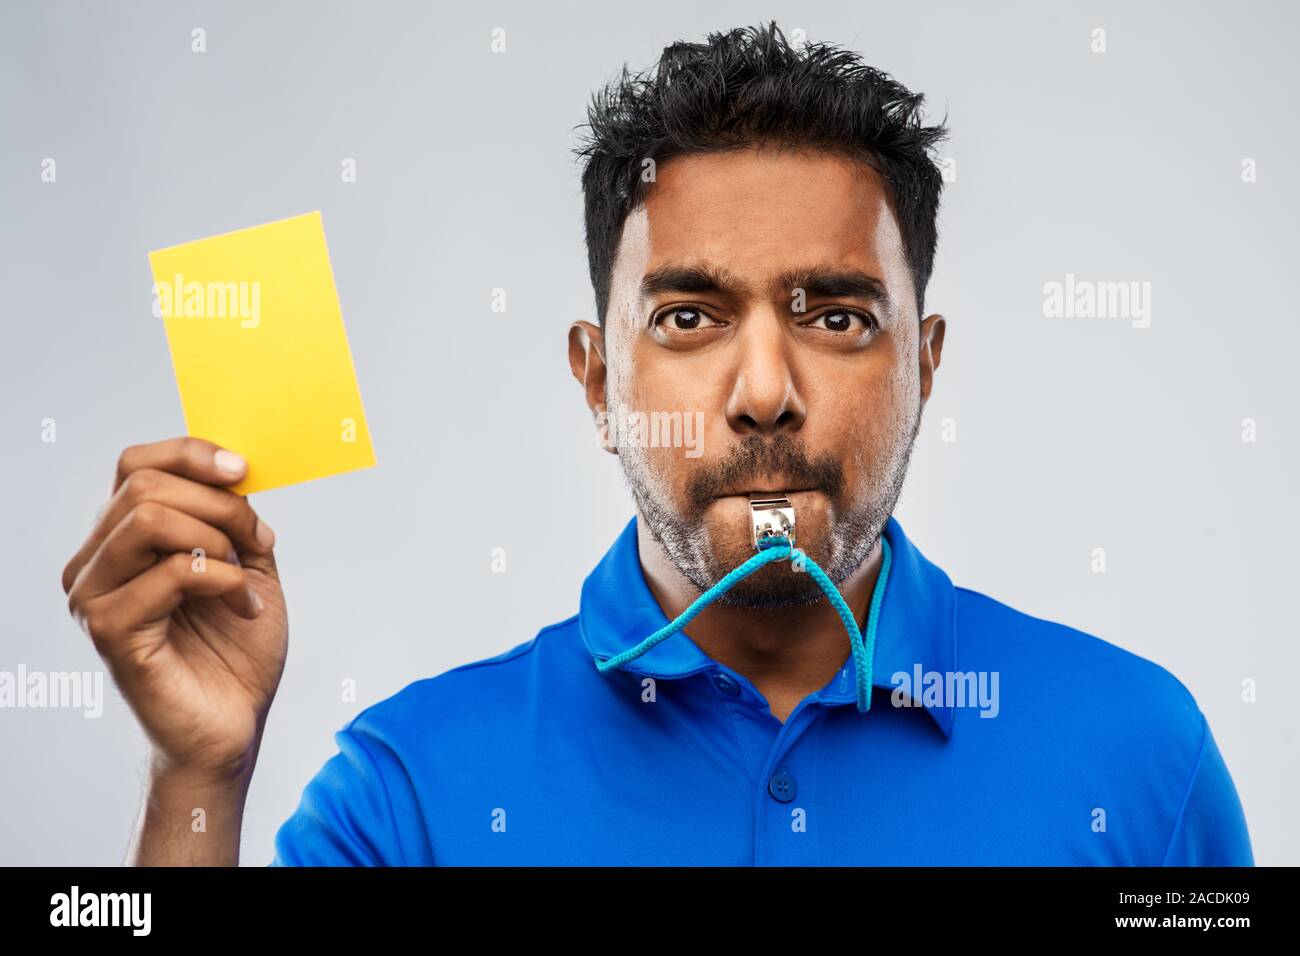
(759, 211)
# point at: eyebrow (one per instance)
(688, 278)
(832, 282)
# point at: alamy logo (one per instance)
(209, 300)
(655, 429)
(946, 689)
(102, 909)
(58, 690)
(1085, 299)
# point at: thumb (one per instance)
(263, 562)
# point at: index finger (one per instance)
(194, 458)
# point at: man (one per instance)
(761, 225)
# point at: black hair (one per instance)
(745, 87)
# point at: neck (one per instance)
(787, 653)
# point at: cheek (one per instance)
(640, 382)
(879, 427)
(663, 451)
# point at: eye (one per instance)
(841, 320)
(683, 318)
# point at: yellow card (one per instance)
(261, 356)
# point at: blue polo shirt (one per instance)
(993, 738)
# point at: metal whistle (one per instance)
(771, 518)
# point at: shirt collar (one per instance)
(917, 625)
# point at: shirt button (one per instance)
(783, 786)
(726, 685)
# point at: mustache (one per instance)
(753, 457)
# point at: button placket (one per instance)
(726, 684)
(783, 786)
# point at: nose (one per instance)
(764, 396)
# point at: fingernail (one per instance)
(234, 559)
(265, 536)
(257, 601)
(229, 462)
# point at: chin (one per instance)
(774, 586)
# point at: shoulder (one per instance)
(1128, 732)
(479, 692)
(1080, 676)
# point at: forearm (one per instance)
(189, 820)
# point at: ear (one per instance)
(931, 348)
(587, 361)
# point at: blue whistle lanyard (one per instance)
(777, 548)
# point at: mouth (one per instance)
(771, 491)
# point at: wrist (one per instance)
(171, 776)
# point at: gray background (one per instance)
(1072, 433)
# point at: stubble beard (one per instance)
(854, 531)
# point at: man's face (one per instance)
(768, 290)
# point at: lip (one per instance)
(767, 492)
